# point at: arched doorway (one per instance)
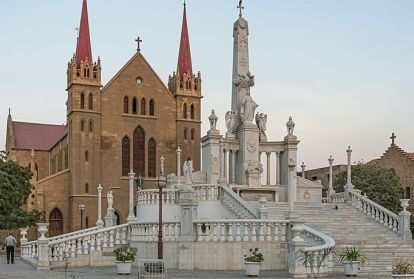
(55, 222)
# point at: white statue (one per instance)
(213, 120)
(290, 126)
(110, 198)
(188, 172)
(261, 121)
(230, 121)
(247, 109)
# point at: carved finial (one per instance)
(331, 160)
(393, 137)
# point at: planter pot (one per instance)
(405, 276)
(351, 268)
(252, 269)
(124, 267)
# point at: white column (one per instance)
(230, 156)
(225, 164)
(179, 165)
(233, 166)
(131, 216)
(99, 221)
(277, 168)
(348, 187)
(268, 168)
(222, 178)
(331, 191)
(162, 166)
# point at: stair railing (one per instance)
(228, 193)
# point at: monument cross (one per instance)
(241, 8)
(393, 137)
(138, 41)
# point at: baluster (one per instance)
(85, 246)
(199, 232)
(246, 232)
(223, 232)
(111, 238)
(117, 237)
(269, 232)
(215, 231)
(238, 236)
(283, 232)
(52, 255)
(262, 231)
(98, 241)
(92, 243)
(73, 248)
(230, 232)
(395, 225)
(166, 232)
(125, 235)
(177, 228)
(61, 251)
(254, 235)
(79, 247)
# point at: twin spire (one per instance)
(84, 50)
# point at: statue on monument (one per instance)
(290, 126)
(188, 171)
(213, 120)
(110, 198)
(231, 121)
(261, 121)
(247, 109)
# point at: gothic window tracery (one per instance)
(126, 104)
(82, 101)
(152, 107)
(192, 111)
(134, 106)
(143, 106)
(90, 101)
(185, 111)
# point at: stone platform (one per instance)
(21, 270)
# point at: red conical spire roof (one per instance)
(184, 57)
(83, 48)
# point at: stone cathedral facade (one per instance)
(113, 128)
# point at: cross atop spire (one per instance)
(83, 48)
(241, 8)
(184, 65)
(138, 40)
(393, 137)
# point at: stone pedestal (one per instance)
(404, 222)
(110, 218)
(248, 165)
(296, 243)
(211, 156)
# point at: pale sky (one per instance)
(343, 69)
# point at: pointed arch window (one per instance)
(152, 107)
(134, 106)
(90, 101)
(143, 106)
(139, 151)
(90, 126)
(86, 156)
(185, 134)
(82, 101)
(192, 111)
(185, 111)
(126, 104)
(126, 151)
(152, 158)
(86, 187)
(192, 134)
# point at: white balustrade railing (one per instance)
(375, 211)
(240, 230)
(151, 196)
(317, 258)
(338, 197)
(29, 249)
(236, 204)
(206, 192)
(75, 233)
(148, 232)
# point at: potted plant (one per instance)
(253, 262)
(124, 257)
(403, 269)
(352, 259)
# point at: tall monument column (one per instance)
(348, 187)
(291, 148)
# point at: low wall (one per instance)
(215, 255)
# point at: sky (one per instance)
(342, 69)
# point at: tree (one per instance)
(381, 185)
(15, 187)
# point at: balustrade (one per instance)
(240, 230)
(149, 231)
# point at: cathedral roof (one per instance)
(393, 148)
(83, 48)
(37, 136)
(184, 58)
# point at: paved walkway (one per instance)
(21, 270)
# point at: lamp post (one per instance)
(161, 182)
(82, 209)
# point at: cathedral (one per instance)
(111, 129)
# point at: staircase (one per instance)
(236, 205)
(349, 227)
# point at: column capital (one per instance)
(100, 188)
(330, 160)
